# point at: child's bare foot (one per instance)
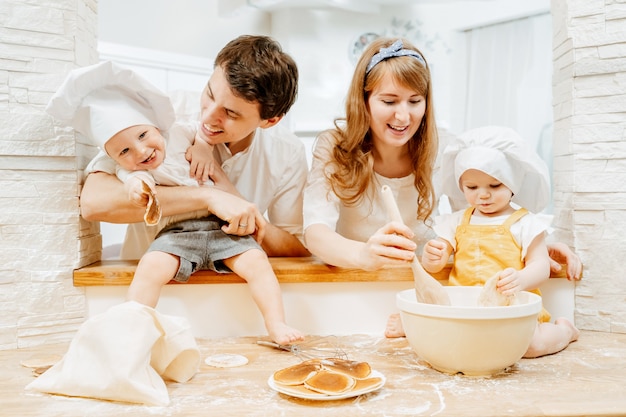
(394, 326)
(282, 334)
(562, 321)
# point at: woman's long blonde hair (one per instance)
(350, 171)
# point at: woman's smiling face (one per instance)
(136, 148)
(396, 113)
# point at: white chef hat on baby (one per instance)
(103, 99)
(503, 154)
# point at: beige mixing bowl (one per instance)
(466, 338)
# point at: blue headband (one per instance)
(394, 50)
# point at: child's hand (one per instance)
(134, 188)
(201, 162)
(510, 282)
(434, 254)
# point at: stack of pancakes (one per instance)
(330, 376)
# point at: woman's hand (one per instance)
(560, 253)
(389, 245)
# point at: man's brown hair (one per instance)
(258, 70)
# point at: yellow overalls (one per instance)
(483, 250)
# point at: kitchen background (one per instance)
(529, 65)
(491, 60)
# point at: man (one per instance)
(260, 167)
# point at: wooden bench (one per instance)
(288, 270)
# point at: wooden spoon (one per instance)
(427, 289)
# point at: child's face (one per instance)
(226, 118)
(485, 193)
(395, 112)
(137, 148)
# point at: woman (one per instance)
(388, 137)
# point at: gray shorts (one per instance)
(200, 244)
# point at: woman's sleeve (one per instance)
(321, 205)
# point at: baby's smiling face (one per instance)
(140, 147)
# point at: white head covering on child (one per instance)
(503, 154)
(101, 100)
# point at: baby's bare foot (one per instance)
(394, 326)
(283, 334)
(562, 321)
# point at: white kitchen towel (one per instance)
(118, 355)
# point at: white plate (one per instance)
(286, 389)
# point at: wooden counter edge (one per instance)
(288, 270)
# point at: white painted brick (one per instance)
(587, 20)
(613, 51)
(583, 7)
(594, 105)
(563, 109)
(594, 35)
(561, 46)
(589, 217)
(585, 119)
(32, 18)
(617, 28)
(600, 201)
(600, 182)
(605, 132)
(591, 322)
(591, 152)
(603, 66)
(599, 85)
(615, 11)
(55, 336)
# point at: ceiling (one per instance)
(362, 6)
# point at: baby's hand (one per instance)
(136, 194)
(509, 282)
(201, 162)
(433, 255)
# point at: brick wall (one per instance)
(40, 41)
(590, 152)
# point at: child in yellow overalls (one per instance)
(492, 167)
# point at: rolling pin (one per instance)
(427, 289)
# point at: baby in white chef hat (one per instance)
(503, 181)
(130, 120)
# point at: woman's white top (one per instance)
(358, 222)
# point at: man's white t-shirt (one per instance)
(271, 173)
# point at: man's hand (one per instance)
(242, 216)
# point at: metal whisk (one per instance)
(313, 348)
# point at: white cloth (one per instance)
(122, 355)
(270, 173)
(358, 222)
(100, 100)
(501, 153)
(524, 231)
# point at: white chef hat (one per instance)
(501, 153)
(103, 99)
